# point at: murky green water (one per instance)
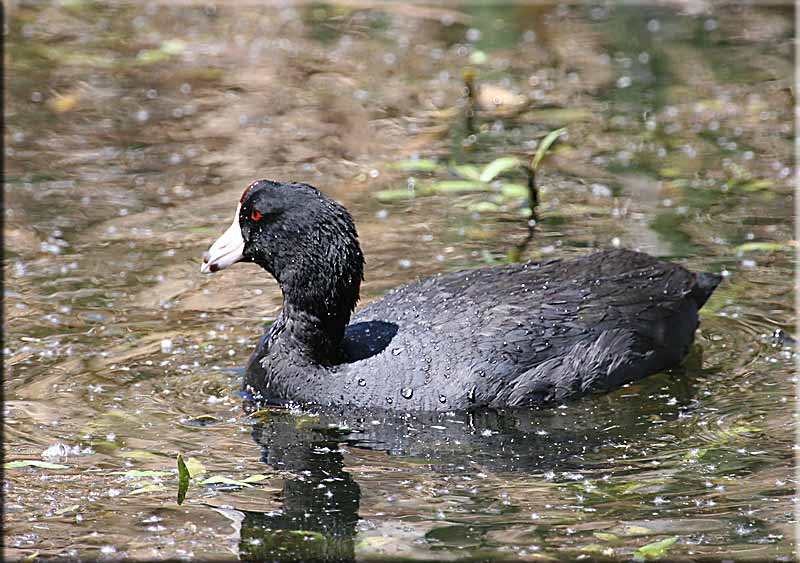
(130, 132)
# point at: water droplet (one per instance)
(442, 399)
(397, 351)
(389, 400)
(407, 392)
(362, 382)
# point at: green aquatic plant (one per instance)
(190, 468)
(655, 550)
(183, 479)
(471, 178)
(541, 152)
(16, 464)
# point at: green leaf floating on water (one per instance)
(655, 550)
(220, 480)
(151, 488)
(605, 536)
(415, 165)
(515, 191)
(468, 171)
(637, 531)
(758, 185)
(545, 145)
(183, 479)
(255, 478)
(194, 466)
(388, 196)
(33, 463)
(498, 166)
(763, 247)
(458, 186)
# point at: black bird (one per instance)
(530, 334)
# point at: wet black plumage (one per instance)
(516, 335)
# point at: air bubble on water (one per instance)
(166, 346)
(407, 392)
(362, 382)
(397, 351)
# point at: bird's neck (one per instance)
(315, 315)
(320, 278)
(309, 336)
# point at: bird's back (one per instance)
(523, 334)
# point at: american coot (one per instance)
(516, 335)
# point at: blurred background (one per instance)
(131, 130)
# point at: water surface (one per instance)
(132, 130)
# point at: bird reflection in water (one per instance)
(319, 517)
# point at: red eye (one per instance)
(255, 215)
